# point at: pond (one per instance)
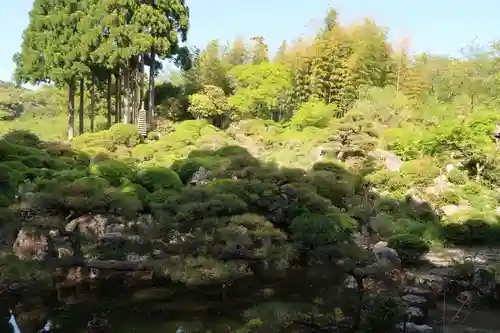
(164, 308)
(148, 310)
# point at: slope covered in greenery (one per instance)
(252, 167)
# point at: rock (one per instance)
(454, 209)
(484, 281)
(497, 210)
(115, 228)
(30, 244)
(89, 225)
(440, 184)
(414, 328)
(350, 282)
(415, 301)
(429, 295)
(392, 161)
(417, 203)
(437, 284)
(200, 177)
(443, 279)
(415, 315)
(386, 256)
(449, 168)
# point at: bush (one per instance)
(470, 233)
(124, 135)
(159, 178)
(143, 152)
(313, 113)
(421, 171)
(23, 138)
(449, 197)
(458, 177)
(113, 171)
(409, 247)
(94, 142)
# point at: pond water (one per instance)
(139, 311)
(163, 308)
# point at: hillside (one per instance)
(254, 172)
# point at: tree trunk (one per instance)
(150, 113)
(141, 84)
(135, 95)
(108, 99)
(71, 109)
(118, 97)
(92, 104)
(82, 107)
(126, 95)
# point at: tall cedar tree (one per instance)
(51, 50)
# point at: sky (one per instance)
(435, 26)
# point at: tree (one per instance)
(259, 50)
(56, 41)
(129, 36)
(237, 54)
(210, 102)
(208, 69)
(258, 89)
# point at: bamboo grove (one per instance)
(102, 47)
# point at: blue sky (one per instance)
(436, 26)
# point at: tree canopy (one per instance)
(261, 178)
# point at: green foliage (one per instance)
(210, 102)
(409, 247)
(115, 172)
(291, 148)
(258, 89)
(315, 114)
(124, 134)
(157, 178)
(421, 172)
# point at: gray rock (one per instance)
(429, 294)
(350, 282)
(418, 291)
(417, 203)
(440, 184)
(415, 301)
(200, 177)
(454, 209)
(392, 161)
(414, 328)
(484, 281)
(30, 244)
(386, 256)
(437, 284)
(415, 315)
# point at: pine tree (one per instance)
(51, 50)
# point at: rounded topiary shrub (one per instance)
(471, 232)
(23, 138)
(113, 171)
(186, 169)
(458, 177)
(124, 134)
(410, 248)
(159, 178)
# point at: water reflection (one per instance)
(162, 308)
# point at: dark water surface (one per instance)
(162, 308)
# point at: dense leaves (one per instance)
(273, 168)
